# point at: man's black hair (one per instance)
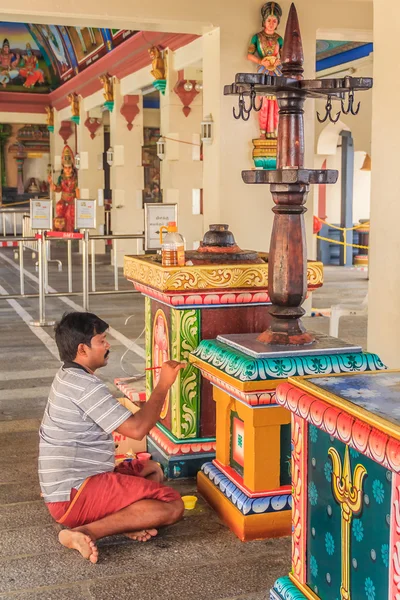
(77, 328)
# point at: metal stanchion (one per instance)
(45, 248)
(69, 250)
(21, 268)
(85, 269)
(93, 265)
(42, 320)
(114, 247)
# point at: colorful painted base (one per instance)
(180, 458)
(178, 466)
(75, 119)
(284, 589)
(253, 432)
(249, 518)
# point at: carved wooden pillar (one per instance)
(288, 253)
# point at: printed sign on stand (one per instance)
(41, 214)
(85, 214)
(157, 214)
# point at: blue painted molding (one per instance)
(344, 57)
(246, 505)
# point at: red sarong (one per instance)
(108, 493)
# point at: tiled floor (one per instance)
(197, 559)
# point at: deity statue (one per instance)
(265, 51)
(30, 69)
(73, 99)
(50, 116)
(107, 82)
(32, 187)
(67, 184)
(157, 64)
(8, 63)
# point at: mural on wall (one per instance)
(22, 64)
(40, 58)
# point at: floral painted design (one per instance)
(313, 433)
(369, 589)
(328, 471)
(312, 493)
(313, 566)
(329, 544)
(358, 530)
(361, 393)
(385, 554)
(354, 453)
(378, 491)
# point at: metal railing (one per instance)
(11, 220)
(42, 241)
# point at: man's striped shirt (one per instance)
(75, 434)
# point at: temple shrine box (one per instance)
(346, 487)
(185, 305)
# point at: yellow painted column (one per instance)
(224, 405)
(262, 445)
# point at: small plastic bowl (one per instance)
(143, 455)
(189, 502)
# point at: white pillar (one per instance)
(182, 170)
(384, 255)
(127, 215)
(90, 177)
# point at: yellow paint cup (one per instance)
(189, 502)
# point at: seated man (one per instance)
(80, 484)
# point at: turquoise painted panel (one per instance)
(243, 367)
(370, 532)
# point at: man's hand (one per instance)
(169, 372)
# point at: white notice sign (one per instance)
(41, 214)
(157, 214)
(85, 214)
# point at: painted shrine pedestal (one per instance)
(248, 483)
(346, 487)
(185, 305)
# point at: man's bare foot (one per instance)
(76, 540)
(141, 536)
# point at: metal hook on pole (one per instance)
(328, 113)
(253, 96)
(242, 109)
(350, 105)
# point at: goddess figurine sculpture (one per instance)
(265, 51)
(67, 184)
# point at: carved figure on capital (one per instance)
(67, 184)
(158, 68)
(73, 99)
(50, 118)
(265, 51)
(108, 93)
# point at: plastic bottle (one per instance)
(172, 246)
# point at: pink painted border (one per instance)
(18, 102)
(261, 398)
(125, 59)
(394, 557)
(238, 481)
(377, 445)
(299, 497)
(180, 449)
(209, 298)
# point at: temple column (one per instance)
(182, 169)
(126, 138)
(384, 256)
(90, 144)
